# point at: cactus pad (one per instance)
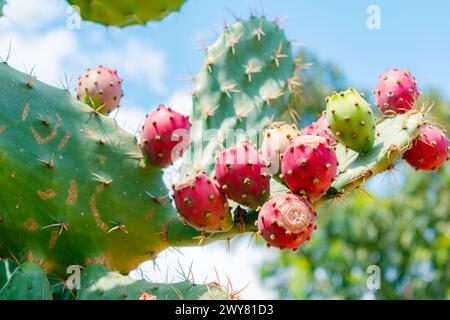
(123, 13)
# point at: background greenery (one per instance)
(400, 223)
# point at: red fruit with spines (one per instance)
(165, 136)
(243, 175)
(396, 92)
(430, 150)
(201, 203)
(309, 166)
(320, 128)
(101, 88)
(286, 221)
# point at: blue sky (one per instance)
(152, 60)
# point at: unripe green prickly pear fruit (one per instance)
(351, 120)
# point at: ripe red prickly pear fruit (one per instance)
(286, 221)
(243, 175)
(201, 203)
(276, 140)
(320, 128)
(309, 166)
(100, 88)
(396, 91)
(165, 136)
(430, 150)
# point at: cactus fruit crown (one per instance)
(125, 12)
(286, 221)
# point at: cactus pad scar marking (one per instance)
(72, 193)
(96, 214)
(26, 111)
(64, 140)
(53, 238)
(47, 194)
(51, 136)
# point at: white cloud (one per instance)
(31, 14)
(133, 60)
(46, 53)
(241, 264)
(181, 101)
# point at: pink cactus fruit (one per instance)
(275, 141)
(430, 150)
(165, 136)
(320, 128)
(100, 88)
(201, 203)
(243, 175)
(286, 221)
(396, 92)
(309, 166)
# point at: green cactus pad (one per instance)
(100, 283)
(77, 189)
(351, 120)
(6, 269)
(122, 13)
(28, 282)
(243, 85)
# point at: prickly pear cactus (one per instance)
(123, 13)
(78, 190)
(100, 283)
(27, 282)
(243, 84)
